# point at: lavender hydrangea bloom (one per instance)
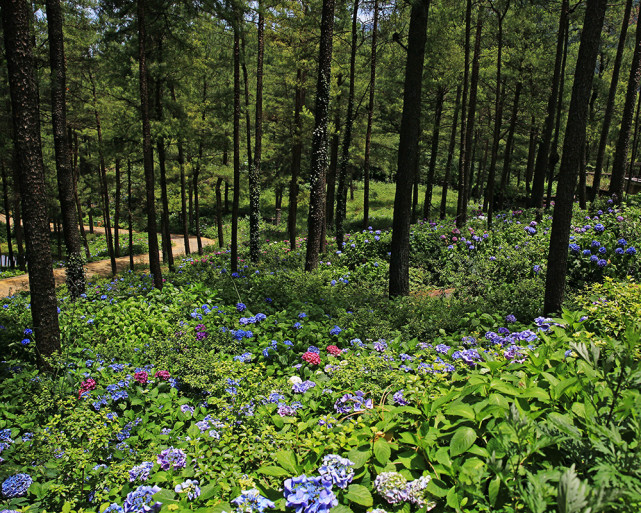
(112, 508)
(301, 388)
(380, 345)
(417, 493)
(309, 494)
(338, 469)
(139, 501)
(392, 486)
(189, 487)
(353, 403)
(250, 501)
(172, 458)
(400, 399)
(140, 472)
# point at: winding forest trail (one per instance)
(101, 268)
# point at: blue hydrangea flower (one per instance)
(338, 469)
(140, 472)
(619, 251)
(250, 501)
(139, 500)
(399, 399)
(335, 330)
(301, 388)
(241, 307)
(599, 228)
(631, 250)
(16, 485)
(189, 487)
(309, 494)
(602, 263)
(113, 508)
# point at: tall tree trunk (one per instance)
(498, 117)
(619, 167)
(509, 144)
(130, 217)
(16, 15)
(417, 177)
(167, 253)
(190, 201)
(64, 170)
(318, 168)
(429, 185)
(333, 159)
(236, 198)
(399, 284)
(466, 81)
(635, 146)
(461, 218)
(297, 152)
(5, 197)
(572, 153)
(183, 196)
(341, 204)
(609, 106)
(248, 125)
(254, 174)
(542, 157)
(582, 180)
(154, 257)
(370, 116)
(117, 211)
(76, 175)
(199, 242)
(450, 153)
(219, 213)
(103, 178)
(531, 155)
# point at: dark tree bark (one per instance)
(509, 144)
(154, 257)
(117, 211)
(498, 114)
(167, 253)
(76, 174)
(103, 180)
(341, 203)
(450, 153)
(17, 213)
(399, 284)
(333, 159)
(297, 152)
(16, 15)
(254, 174)
(199, 242)
(429, 185)
(466, 83)
(318, 169)
(5, 197)
(461, 218)
(64, 170)
(370, 116)
(619, 166)
(572, 153)
(219, 213)
(190, 201)
(635, 145)
(183, 196)
(541, 166)
(609, 106)
(417, 177)
(248, 124)
(236, 198)
(531, 155)
(130, 217)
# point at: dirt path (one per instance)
(101, 268)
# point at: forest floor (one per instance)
(102, 268)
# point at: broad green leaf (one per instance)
(287, 460)
(360, 495)
(358, 457)
(273, 470)
(382, 451)
(462, 441)
(493, 489)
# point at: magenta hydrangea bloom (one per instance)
(163, 374)
(141, 377)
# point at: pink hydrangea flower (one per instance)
(141, 377)
(163, 374)
(312, 358)
(333, 350)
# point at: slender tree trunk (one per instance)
(466, 80)
(582, 180)
(5, 197)
(341, 204)
(333, 159)
(168, 255)
(297, 152)
(635, 146)
(417, 177)
(190, 208)
(199, 242)
(509, 145)
(76, 175)
(450, 153)
(370, 116)
(572, 153)
(64, 170)
(18, 45)
(318, 168)
(103, 179)
(609, 106)
(117, 211)
(429, 185)
(183, 197)
(130, 217)
(236, 198)
(399, 284)
(461, 219)
(154, 257)
(542, 158)
(248, 125)
(530, 156)
(254, 174)
(219, 213)
(619, 167)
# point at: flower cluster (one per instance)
(86, 386)
(250, 501)
(334, 350)
(141, 377)
(139, 500)
(302, 387)
(172, 458)
(394, 488)
(16, 485)
(312, 358)
(162, 374)
(338, 470)
(140, 472)
(352, 403)
(309, 494)
(189, 487)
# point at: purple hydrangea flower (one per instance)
(172, 458)
(338, 469)
(392, 486)
(139, 500)
(140, 472)
(309, 494)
